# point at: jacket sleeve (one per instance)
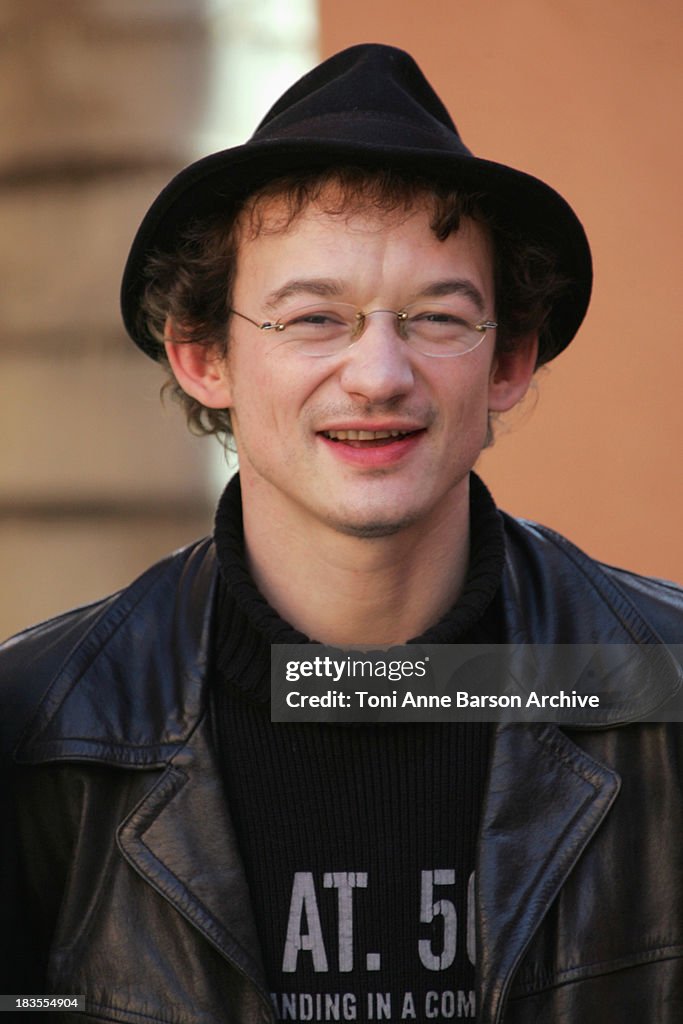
(33, 851)
(27, 922)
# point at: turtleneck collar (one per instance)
(246, 625)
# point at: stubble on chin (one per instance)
(371, 527)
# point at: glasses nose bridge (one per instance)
(358, 328)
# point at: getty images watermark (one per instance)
(587, 685)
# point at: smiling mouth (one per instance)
(368, 438)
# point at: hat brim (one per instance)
(220, 182)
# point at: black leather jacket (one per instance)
(120, 874)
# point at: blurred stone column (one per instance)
(99, 100)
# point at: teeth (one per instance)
(363, 435)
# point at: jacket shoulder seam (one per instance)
(621, 603)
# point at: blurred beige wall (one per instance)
(98, 103)
(586, 96)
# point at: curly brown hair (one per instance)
(192, 286)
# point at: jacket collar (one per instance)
(572, 624)
(159, 630)
(555, 594)
(133, 688)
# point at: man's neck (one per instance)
(345, 590)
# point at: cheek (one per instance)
(270, 394)
(466, 417)
(467, 398)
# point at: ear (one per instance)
(511, 373)
(199, 370)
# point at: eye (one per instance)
(438, 317)
(315, 318)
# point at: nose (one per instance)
(378, 367)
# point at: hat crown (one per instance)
(369, 106)
(367, 93)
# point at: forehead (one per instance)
(276, 210)
(360, 238)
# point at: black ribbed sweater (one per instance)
(358, 842)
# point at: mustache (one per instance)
(400, 407)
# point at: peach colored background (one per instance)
(586, 96)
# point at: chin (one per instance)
(369, 527)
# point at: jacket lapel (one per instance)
(181, 841)
(128, 704)
(546, 800)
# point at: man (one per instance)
(352, 297)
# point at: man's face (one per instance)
(288, 409)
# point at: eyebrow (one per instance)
(324, 287)
(453, 286)
(329, 287)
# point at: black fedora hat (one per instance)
(369, 106)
